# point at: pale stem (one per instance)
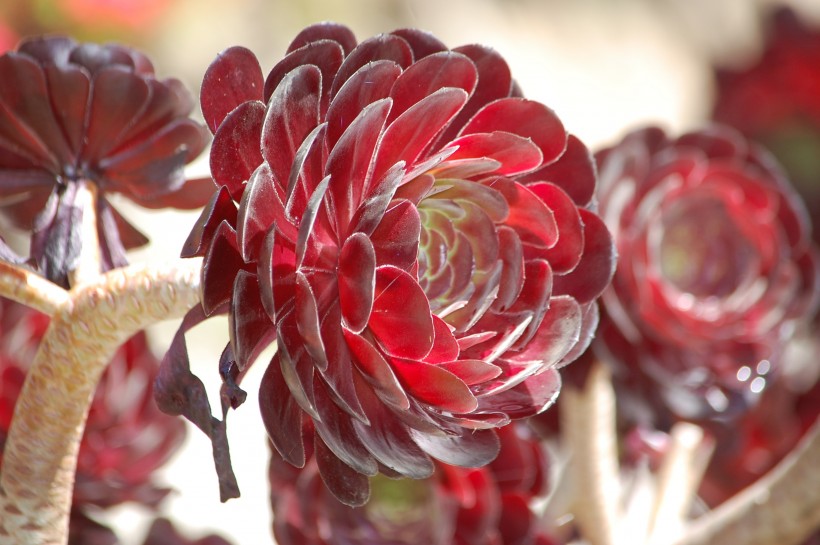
(40, 458)
(87, 267)
(588, 420)
(30, 289)
(781, 508)
(678, 480)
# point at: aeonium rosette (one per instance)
(716, 268)
(414, 235)
(82, 121)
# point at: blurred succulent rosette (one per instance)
(126, 439)
(491, 505)
(775, 100)
(415, 236)
(79, 122)
(717, 269)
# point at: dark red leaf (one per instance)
(232, 78)
(348, 485)
(434, 385)
(251, 330)
(426, 76)
(464, 448)
(376, 371)
(219, 208)
(281, 415)
(383, 47)
(235, 150)
(401, 319)
(525, 118)
(593, 274)
(410, 134)
(357, 281)
(292, 114)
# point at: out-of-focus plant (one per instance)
(775, 100)
(717, 269)
(456, 506)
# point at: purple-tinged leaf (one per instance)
(349, 162)
(567, 252)
(324, 54)
(220, 266)
(339, 376)
(465, 448)
(471, 372)
(422, 43)
(281, 415)
(515, 154)
(529, 216)
(445, 347)
(529, 398)
(177, 391)
(387, 440)
(494, 82)
(396, 239)
(512, 276)
(307, 321)
(118, 97)
(26, 117)
(337, 432)
(556, 335)
(574, 172)
(70, 105)
(345, 483)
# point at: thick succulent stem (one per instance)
(781, 508)
(678, 480)
(588, 420)
(37, 476)
(87, 267)
(30, 289)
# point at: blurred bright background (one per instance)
(605, 66)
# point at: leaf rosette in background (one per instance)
(77, 115)
(717, 268)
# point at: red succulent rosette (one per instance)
(716, 267)
(415, 237)
(455, 506)
(775, 99)
(126, 438)
(76, 118)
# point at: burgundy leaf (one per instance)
(232, 78)
(400, 319)
(357, 281)
(235, 151)
(525, 118)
